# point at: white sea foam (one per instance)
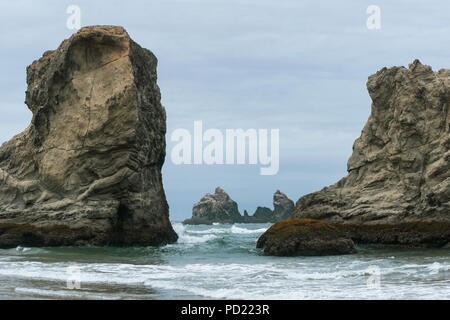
(61, 294)
(229, 229)
(22, 249)
(437, 267)
(239, 230)
(274, 279)
(191, 236)
(185, 238)
(186, 269)
(209, 231)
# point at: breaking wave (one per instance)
(221, 262)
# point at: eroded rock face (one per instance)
(304, 237)
(399, 171)
(87, 170)
(217, 207)
(283, 206)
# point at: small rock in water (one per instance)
(304, 237)
(217, 207)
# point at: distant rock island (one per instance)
(397, 190)
(220, 208)
(87, 170)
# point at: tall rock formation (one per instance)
(263, 213)
(282, 206)
(217, 207)
(87, 170)
(398, 185)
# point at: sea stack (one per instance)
(87, 170)
(220, 208)
(282, 206)
(397, 190)
(217, 207)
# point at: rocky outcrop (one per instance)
(305, 237)
(283, 206)
(263, 213)
(217, 207)
(220, 208)
(87, 170)
(398, 185)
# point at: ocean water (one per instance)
(221, 262)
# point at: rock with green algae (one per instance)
(304, 237)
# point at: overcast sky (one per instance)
(299, 66)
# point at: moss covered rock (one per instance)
(431, 234)
(304, 237)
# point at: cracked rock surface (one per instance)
(87, 170)
(399, 172)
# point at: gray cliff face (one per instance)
(87, 170)
(400, 167)
(283, 206)
(217, 207)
